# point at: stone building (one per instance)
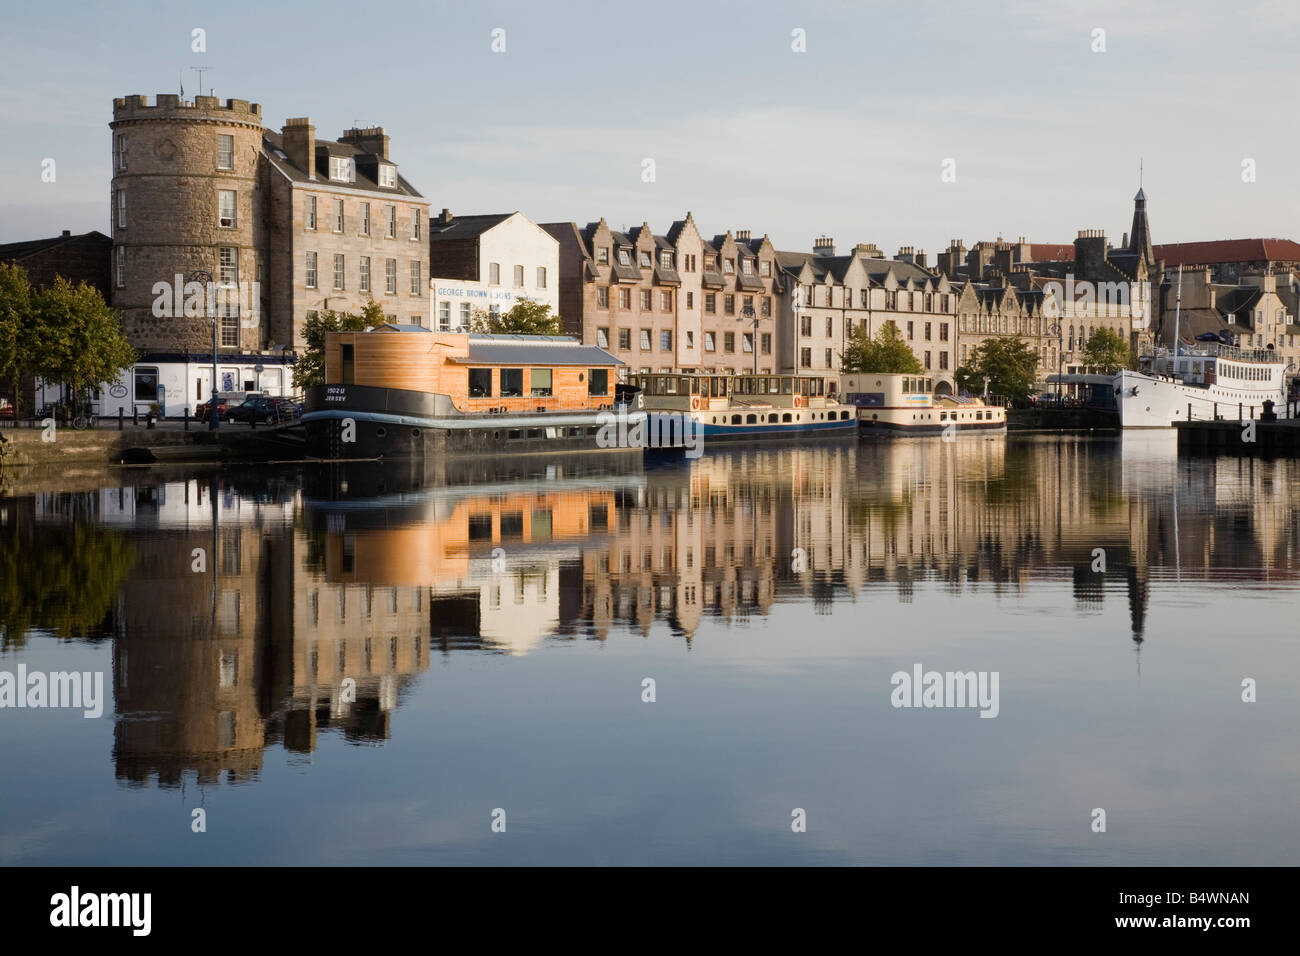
(284, 224)
(1229, 260)
(673, 302)
(83, 258)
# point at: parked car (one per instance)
(6, 409)
(225, 402)
(263, 409)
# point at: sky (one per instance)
(849, 137)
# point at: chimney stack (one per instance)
(371, 139)
(824, 246)
(445, 216)
(299, 139)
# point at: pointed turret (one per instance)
(1140, 234)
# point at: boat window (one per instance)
(684, 385)
(480, 383)
(787, 387)
(844, 415)
(751, 419)
(786, 417)
(772, 417)
(598, 381)
(512, 382)
(540, 382)
(735, 419)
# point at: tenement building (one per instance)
(277, 225)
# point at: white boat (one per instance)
(895, 404)
(1200, 383)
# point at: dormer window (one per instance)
(665, 259)
(729, 266)
(343, 169)
(748, 266)
(645, 260)
(624, 257)
(602, 255)
(387, 175)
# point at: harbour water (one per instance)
(664, 663)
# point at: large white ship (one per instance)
(1201, 383)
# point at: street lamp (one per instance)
(748, 313)
(205, 277)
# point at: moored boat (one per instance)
(897, 404)
(1204, 382)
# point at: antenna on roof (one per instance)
(1139, 172)
(200, 70)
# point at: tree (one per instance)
(887, 352)
(16, 353)
(78, 336)
(1106, 351)
(309, 369)
(1006, 362)
(526, 318)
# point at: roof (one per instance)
(399, 327)
(13, 251)
(274, 148)
(1228, 250)
(1051, 252)
(464, 227)
(533, 350)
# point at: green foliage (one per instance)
(309, 370)
(65, 334)
(1006, 362)
(1106, 351)
(887, 352)
(58, 579)
(526, 318)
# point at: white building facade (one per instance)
(489, 263)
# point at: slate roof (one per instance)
(274, 148)
(14, 251)
(533, 350)
(465, 227)
(1228, 250)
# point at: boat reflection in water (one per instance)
(327, 590)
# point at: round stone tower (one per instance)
(186, 198)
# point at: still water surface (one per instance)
(499, 623)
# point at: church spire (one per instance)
(1140, 234)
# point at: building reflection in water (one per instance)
(361, 573)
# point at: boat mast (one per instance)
(1178, 303)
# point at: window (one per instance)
(365, 219)
(645, 260)
(342, 169)
(494, 273)
(624, 257)
(338, 215)
(121, 266)
(645, 300)
(602, 256)
(747, 342)
(229, 265)
(121, 208)
(625, 299)
(121, 152)
(690, 339)
(729, 304)
(311, 270)
(625, 339)
(645, 340)
(480, 382)
(690, 263)
(805, 325)
(387, 175)
(390, 212)
(311, 212)
(415, 224)
(226, 215)
(464, 315)
(767, 306)
(602, 297)
(390, 276)
(729, 267)
(828, 358)
(225, 151)
(708, 342)
(146, 384)
(765, 268)
(540, 386)
(747, 266)
(444, 316)
(365, 273)
(943, 360)
(338, 271)
(541, 277)
(598, 381)
(665, 340)
(415, 277)
(767, 343)
(943, 331)
(927, 358)
(666, 301)
(729, 341)
(805, 358)
(711, 302)
(690, 300)
(519, 277)
(665, 259)
(909, 329)
(830, 327)
(512, 383)
(602, 338)
(230, 325)
(927, 331)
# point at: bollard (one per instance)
(135, 414)
(187, 418)
(1189, 411)
(1240, 415)
(121, 419)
